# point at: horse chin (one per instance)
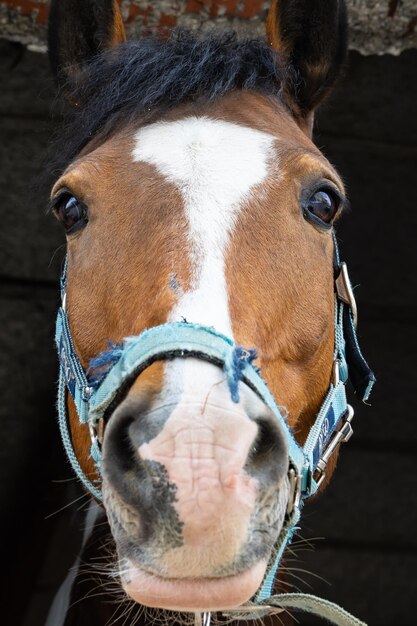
(192, 594)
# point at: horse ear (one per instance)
(78, 30)
(312, 37)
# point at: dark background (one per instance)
(364, 527)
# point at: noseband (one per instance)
(96, 399)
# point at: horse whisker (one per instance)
(66, 506)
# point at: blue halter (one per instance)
(96, 398)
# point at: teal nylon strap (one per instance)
(66, 439)
(284, 539)
(71, 368)
(299, 602)
(316, 606)
(181, 340)
(332, 411)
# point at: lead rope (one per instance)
(279, 603)
(298, 601)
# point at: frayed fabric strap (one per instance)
(102, 364)
(181, 340)
(238, 357)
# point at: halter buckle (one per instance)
(345, 292)
(97, 432)
(295, 490)
(341, 435)
(336, 372)
(202, 619)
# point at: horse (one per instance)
(199, 212)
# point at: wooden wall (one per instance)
(368, 516)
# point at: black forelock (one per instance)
(143, 79)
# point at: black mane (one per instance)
(141, 79)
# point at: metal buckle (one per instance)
(336, 373)
(202, 619)
(97, 432)
(341, 435)
(345, 292)
(295, 490)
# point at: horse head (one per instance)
(191, 192)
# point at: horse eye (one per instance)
(70, 212)
(322, 205)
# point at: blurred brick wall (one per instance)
(376, 26)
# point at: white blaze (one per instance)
(215, 165)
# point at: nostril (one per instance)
(264, 440)
(124, 468)
(118, 450)
(268, 456)
(126, 430)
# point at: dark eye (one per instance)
(70, 212)
(322, 206)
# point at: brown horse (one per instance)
(190, 189)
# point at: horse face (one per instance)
(216, 214)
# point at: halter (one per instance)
(96, 400)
